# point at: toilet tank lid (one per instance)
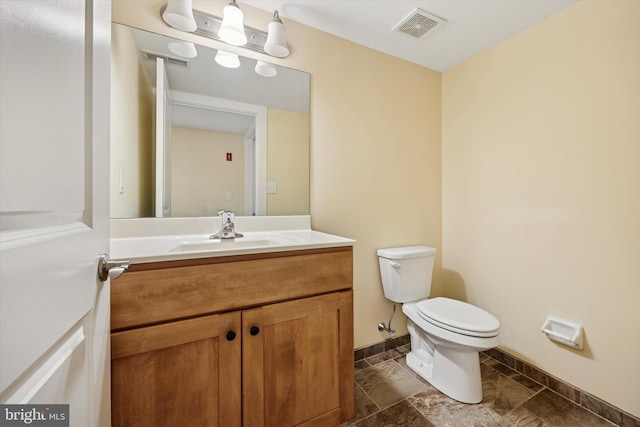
(406, 252)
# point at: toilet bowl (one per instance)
(444, 353)
(446, 335)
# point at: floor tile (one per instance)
(555, 410)
(401, 414)
(388, 393)
(388, 383)
(363, 405)
(521, 417)
(441, 410)
(515, 375)
(500, 393)
(528, 382)
(402, 361)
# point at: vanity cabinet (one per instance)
(276, 352)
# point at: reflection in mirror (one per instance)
(190, 137)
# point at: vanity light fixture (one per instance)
(276, 44)
(179, 15)
(227, 59)
(265, 69)
(229, 29)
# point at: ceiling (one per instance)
(471, 25)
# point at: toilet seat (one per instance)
(459, 317)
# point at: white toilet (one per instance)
(446, 334)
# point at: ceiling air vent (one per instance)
(419, 23)
(150, 56)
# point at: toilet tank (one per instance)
(406, 272)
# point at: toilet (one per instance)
(446, 334)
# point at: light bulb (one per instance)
(183, 49)
(179, 15)
(232, 29)
(227, 59)
(265, 69)
(276, 44)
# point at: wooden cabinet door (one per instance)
(297, 362)
(183, 373)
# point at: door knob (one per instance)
(254, 331)
(108, 268)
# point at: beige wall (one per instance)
(131, 129)
(375, 159)
(375, 146)
(541, 191)
(288, 162)
(201, 173)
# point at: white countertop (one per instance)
(144, 242)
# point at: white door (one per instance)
(54, 205)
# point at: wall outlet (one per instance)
(272, 187)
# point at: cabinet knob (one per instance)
(231, 336)
(254, 331)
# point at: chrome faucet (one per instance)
(227, 230)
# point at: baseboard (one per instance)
(381, 347)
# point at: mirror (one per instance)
(190, 137)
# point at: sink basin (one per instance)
(249, 241)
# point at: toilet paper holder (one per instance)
(564, 331)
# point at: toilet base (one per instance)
(453, 370)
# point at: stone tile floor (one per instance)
(388, 393)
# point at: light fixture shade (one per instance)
(183, 49)
(265, 69)
(232, 29)
(227, 59)
(179, 15)
(276, 44)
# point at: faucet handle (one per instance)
(227, 216)
(227, 229)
